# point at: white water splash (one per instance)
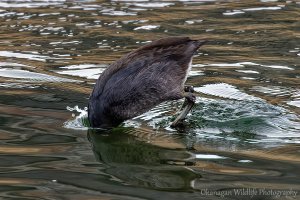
(78, 121)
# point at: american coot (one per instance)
(142, 79)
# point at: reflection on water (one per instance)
(243, 132)
(133, 161)
(136, 163)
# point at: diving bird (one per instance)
(142, 79)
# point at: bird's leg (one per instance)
(189, 103)
(187, 89)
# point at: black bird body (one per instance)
(140, 80)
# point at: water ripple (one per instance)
(246, 116)
(31, 76)
(33, 56)
(90, 71)
(224, 90)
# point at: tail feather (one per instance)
(191, 47)
(202, 42)
(198, 43)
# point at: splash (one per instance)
(78, 122)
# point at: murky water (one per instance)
(243, 133)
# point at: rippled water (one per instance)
(243, 133)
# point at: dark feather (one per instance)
(141, 80)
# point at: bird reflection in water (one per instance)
(134, 162)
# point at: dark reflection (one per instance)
(14, 188)
(13, 161)
(142, 164)
(46, 139)
(133, 162)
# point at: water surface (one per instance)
(243, 133)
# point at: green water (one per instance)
(243, 135)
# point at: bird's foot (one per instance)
(189, 102)
(189, 88)
(180, 126)
(190, 97)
